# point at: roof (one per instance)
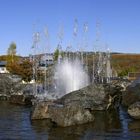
(47, 57)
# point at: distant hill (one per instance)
(4, 57)
(124, 63)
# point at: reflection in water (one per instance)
(124, 119)
(15, 124)
(134, 126)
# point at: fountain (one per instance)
(70, 76)
(36, 38)
(80, 82)
(71, 70)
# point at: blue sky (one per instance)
(119, 23)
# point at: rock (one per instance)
(95, 97)
(135, 82)
(131, 95)
(6, 84)
(121, 83)
(9, 86)
(134, 110)
(70, 115)
(21, 99)
(40, 110)
(76, 107)
(62, 115)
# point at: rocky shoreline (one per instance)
(78, 107)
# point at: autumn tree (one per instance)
(12, 58)
(11, 52)
(25, 70)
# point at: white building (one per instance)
(3, 67)
(46, 60)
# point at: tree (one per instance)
(12, 59)
(11, 52)
(25, 70)
(56, 54)
(22, 68)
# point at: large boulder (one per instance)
(70, 115)
(9, 86)
(95, 97)
(62, 115)
(131, 95)
(134, 110)
(76, 107)
(6, 84)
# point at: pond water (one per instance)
(15, 124)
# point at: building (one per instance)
(133, 75)
(3, 67)
(45, 61)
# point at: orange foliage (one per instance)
(124, 63)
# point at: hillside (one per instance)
(124, 63)
(121, 63)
